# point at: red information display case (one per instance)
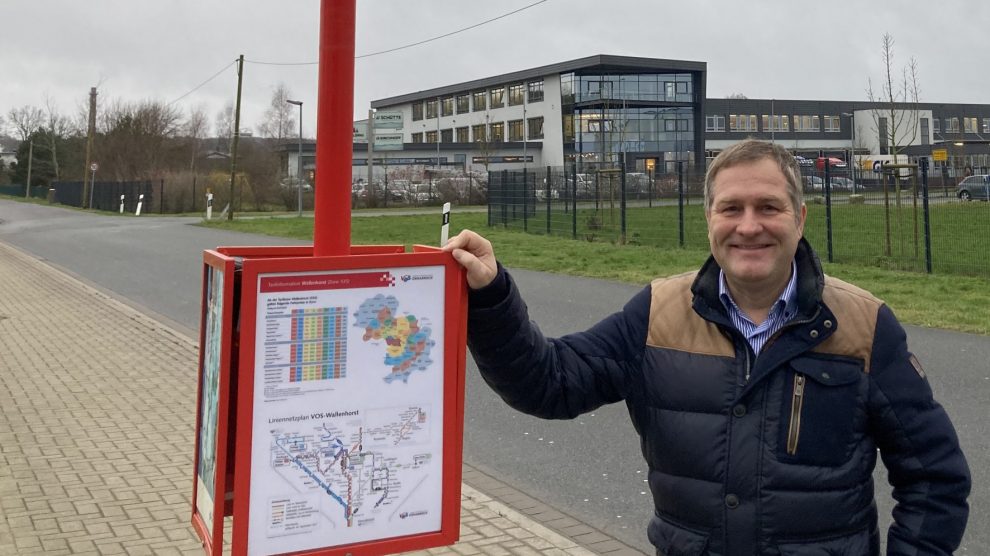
(331, 378)
(345, 379)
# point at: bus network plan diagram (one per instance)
(347, 441)
(348, 463)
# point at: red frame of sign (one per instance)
(212, 534)
(455, 336)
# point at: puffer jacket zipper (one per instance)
(797, 402)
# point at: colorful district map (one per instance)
(407, 339)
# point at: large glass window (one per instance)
(715, 123)
(417, 111)
(417, 137)
(496, 131)
(446, 135)
(952, 125)
(534, 91)
(742, 122)
(936, 125)
(447, 106)
(986, 125)
(516, 94)
(516, 130)
(462, 135)
(478, 132)
(775, 122)
(497, 97)
(970, 125)
(535, 126)
(832, 124)
(431, 136)
(806, 123)
(463, 103)
(431, 108)
(478, 97)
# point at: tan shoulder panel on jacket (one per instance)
(856, 310)
(675, 325)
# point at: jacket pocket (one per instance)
(671, 539)
(861, 543)
(819, 411)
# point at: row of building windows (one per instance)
(496, 97)
(828, 123)
(773, 122)
(970, 125)
(496, 132)
(651, 87)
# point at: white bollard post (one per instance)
(140, 202)
(445, 225)
(121, 204)
(209, 206)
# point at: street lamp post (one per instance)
(851, 163)
(299, 163)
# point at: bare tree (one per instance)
(195, 128)
(26, 120)
(135, 138)
(896, 119)
(224, 126)
(278, 120)
(736, 96)
(59, 127)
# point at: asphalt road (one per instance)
(590, 467)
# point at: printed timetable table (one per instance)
(318, 344)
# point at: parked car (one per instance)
(812, 183)
(974, 187)
(832, 162)
(802, 161)
(841, 183)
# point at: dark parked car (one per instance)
(974, 187)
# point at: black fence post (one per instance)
(574, 201)
(491, 197)
(525, 196)
(680, 203)
(828, 207)
(547, 180)
(622, 201)
(923, 162)
(505, 198)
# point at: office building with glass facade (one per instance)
(598, 112)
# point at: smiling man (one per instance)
(761, 389)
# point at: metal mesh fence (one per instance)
(894, 219)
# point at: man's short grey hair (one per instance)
(752, 150)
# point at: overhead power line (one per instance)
(197, 87)
(410, 45)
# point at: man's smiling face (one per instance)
(753, 228)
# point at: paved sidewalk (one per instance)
(97, 416)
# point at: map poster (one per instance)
(348, 407)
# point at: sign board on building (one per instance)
(940, 155)
(388, 120)
(388, 142)
(360, 130)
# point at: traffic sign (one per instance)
(940, 155)
(94, 167)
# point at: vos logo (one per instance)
(405, 278)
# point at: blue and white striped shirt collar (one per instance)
(783, 310)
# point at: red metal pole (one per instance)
(334, 129)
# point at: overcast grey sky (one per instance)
(138, 49)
